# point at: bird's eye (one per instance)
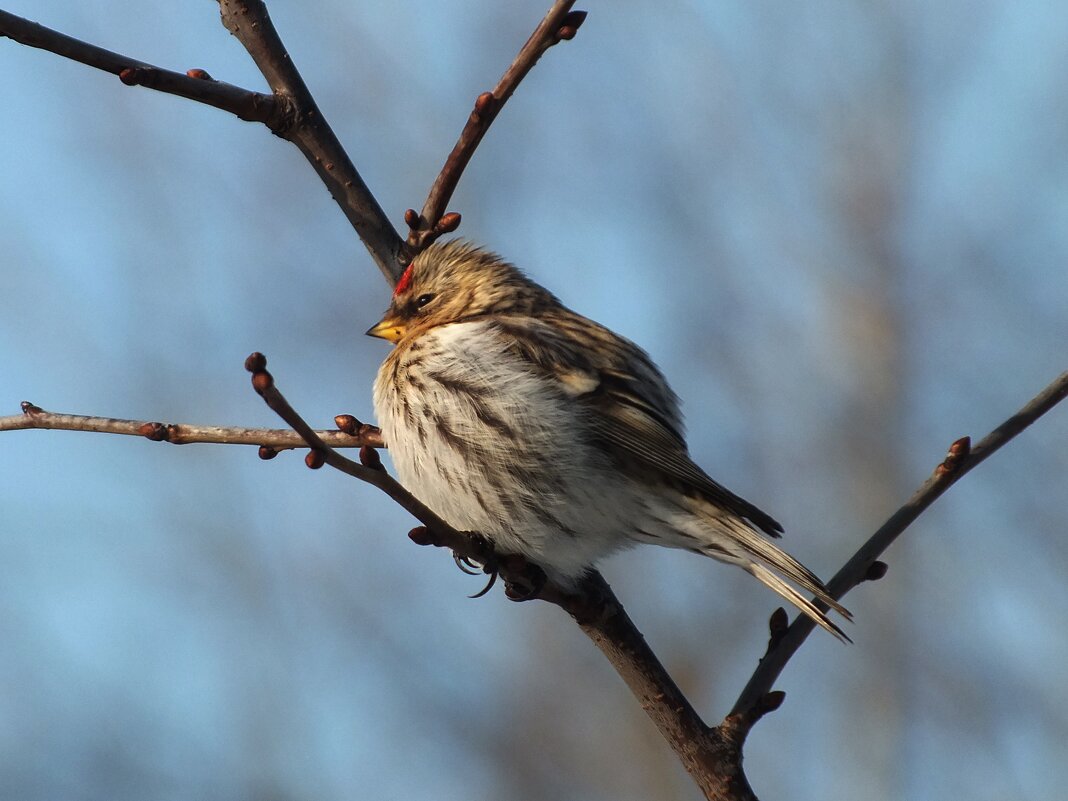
(422, 300)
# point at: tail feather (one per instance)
(781, 561)
(772, 566)
(731, 539)
(818, 616)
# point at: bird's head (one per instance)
(454, 282)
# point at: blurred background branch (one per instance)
(852, 220)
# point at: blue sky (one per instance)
(841, 230)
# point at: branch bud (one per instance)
(157, 432)
(572, 22)
(420, 535)
(256, 362)
(448, 223)
(266, 452)
(876, 570)
(771, 701)
(778, 623)
(262, 381)
(347, 424)
(315, 459)
(369, 458)
(958, 451)
(484, 102)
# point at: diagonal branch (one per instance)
(369, 468)
(712, 756)
(961, 460)
(307, 128)
(559, 24)
(291, 112)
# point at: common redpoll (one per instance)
(510, 415)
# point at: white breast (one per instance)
(494, 446)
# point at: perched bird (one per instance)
(510, 415)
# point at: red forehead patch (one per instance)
(404, 282)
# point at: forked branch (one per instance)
(306, 127)
(712, 756)
(291, 112)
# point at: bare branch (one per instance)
(960, 460)
(559, 24)
(307, 128)
(247, 105)
(263, 383)
(290, 112)
(184, 434)
(711, 755)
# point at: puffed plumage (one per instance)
(511, 415)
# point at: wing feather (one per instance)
(633, 413)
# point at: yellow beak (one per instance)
(388, 328)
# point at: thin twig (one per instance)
(247, 105)
(34, 417)
(292, 113)
(559, 24)
(375, 474)
(711, 755)
(960, 460)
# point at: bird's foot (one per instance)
(524, 579)
(484, 562)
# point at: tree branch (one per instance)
(353, 435)
(290, 112)
(370, 470)
(559, 24)
(307, 128)
(712, 756)
(195, 85)
(960, 460)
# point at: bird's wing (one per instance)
(633, 413)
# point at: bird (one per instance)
(511, 415)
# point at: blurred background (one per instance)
(842, 231)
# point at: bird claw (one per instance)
(474, 568)
(526, 580)
(489, 584)
(467, 564)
